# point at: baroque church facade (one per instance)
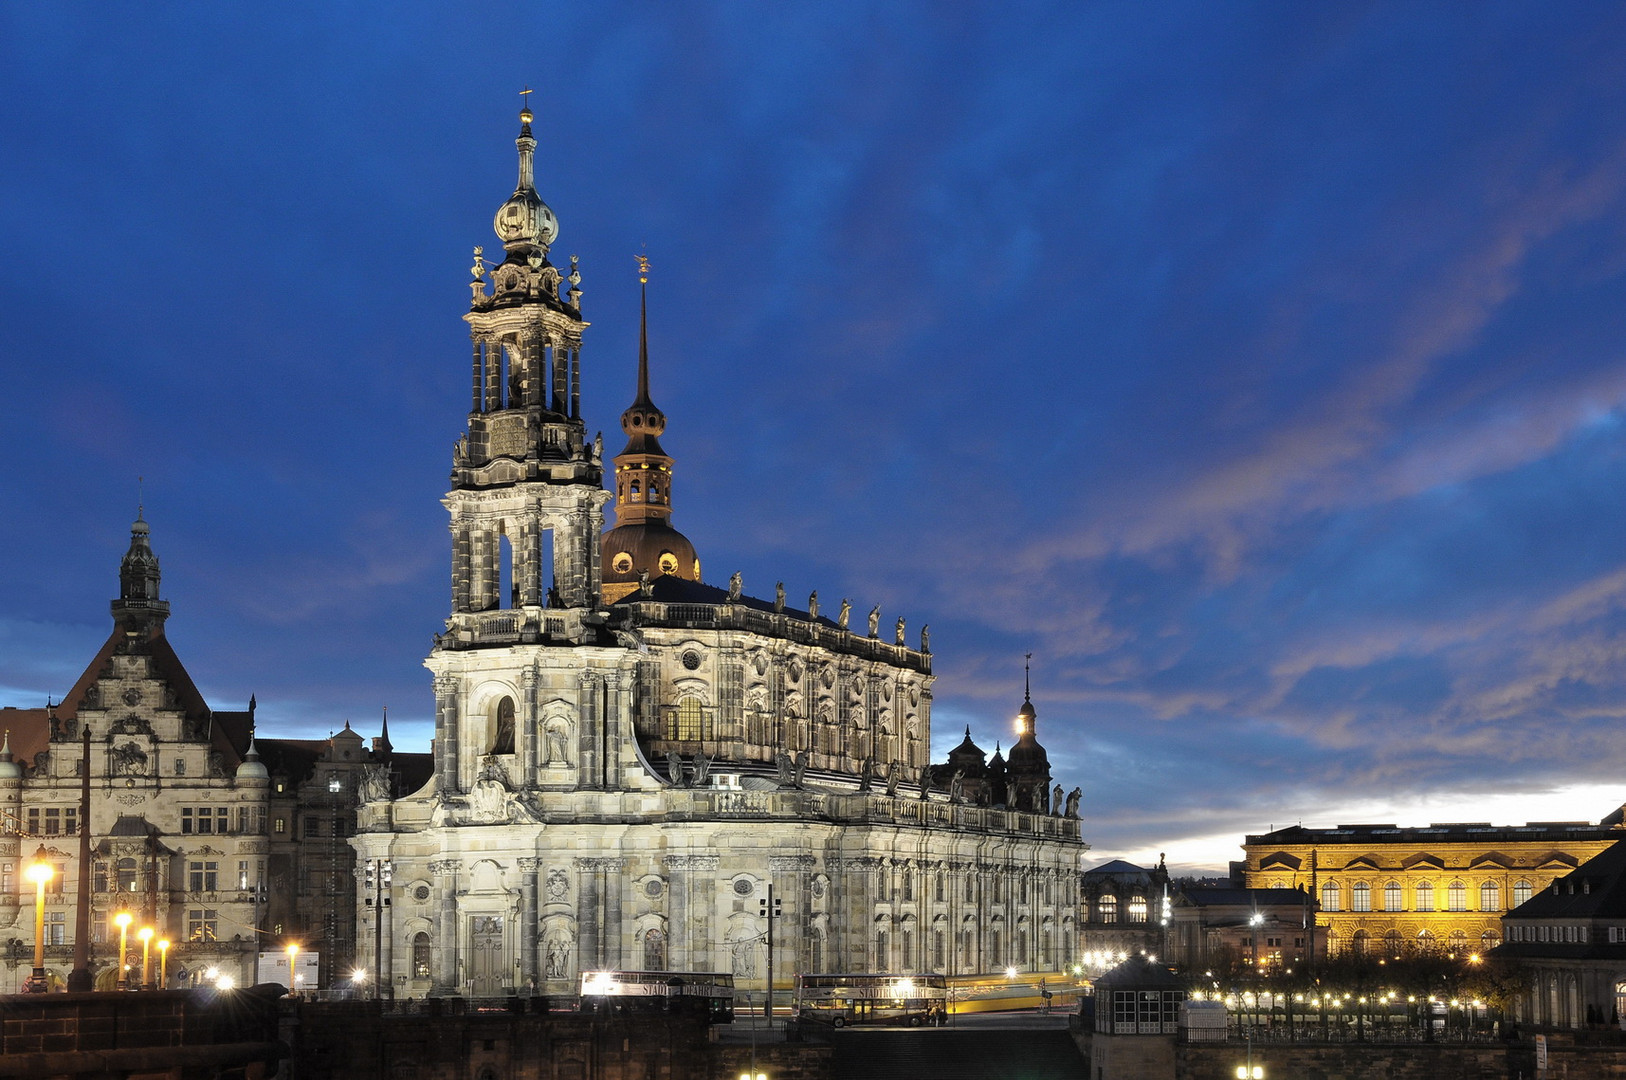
(627, 758)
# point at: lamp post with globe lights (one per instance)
(40, 872)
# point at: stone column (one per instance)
(479, 387)
(613, 730)
(588, 723)
(529, 974)
(493, 371)
(529, 729)
(446, 724)
(589, 949)
(561, 375)
(575, 382)
(791, 876)
(448, 975)
(677, 914)
(614, 884)
(528, 562)
(461, 567)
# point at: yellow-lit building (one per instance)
(1392, 891)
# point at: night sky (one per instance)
(1259, 368)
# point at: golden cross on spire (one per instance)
(525, 103)
(643, 268)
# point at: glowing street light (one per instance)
(163, 963)
(293, 958)
(122, 920)
(39, 872)
(145, 935)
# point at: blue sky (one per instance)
(1257, 367)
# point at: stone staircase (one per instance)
(949, 1054)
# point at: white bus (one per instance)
(655, 991)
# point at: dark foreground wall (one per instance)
(173, 1034)
(368, 1041)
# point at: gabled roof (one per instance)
(1280, 860)
(1119, 867)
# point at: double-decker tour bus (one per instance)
(654, 991)
(840, 1000)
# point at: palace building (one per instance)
(1391, 891)
(222, 852)
(627, 759)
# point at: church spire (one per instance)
(643, 541)
(643, 417)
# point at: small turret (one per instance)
(138, 607)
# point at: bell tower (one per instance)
(513, 705)
(526, 503)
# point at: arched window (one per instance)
(1456, 896)
(1521, 892)
(1392, 944)
(1490, 896)
(127, 875)
(1329, 897)
(1391, 896)
(1459, 942)
(1425, 896)
(655, 950)
(1137, 909)
(1358, 942)
(502, 738)
(1425, 942)
(636, 492)
(1106, 908)
(420, 955)
(1488, 941)
(1360, 896)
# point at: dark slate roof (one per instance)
(670, 589)
(132, 825)
(1207, 896)
(31, 728)
(1461, 832)
(1594, 890)
(1121, 868)
(1139, 973)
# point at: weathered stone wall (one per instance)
(178, 1034)
(358, 1041)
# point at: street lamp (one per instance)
(293, 957)
(163, 963)
(122, 921)
(146, 957)
(40, 872)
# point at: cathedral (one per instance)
(627, 759)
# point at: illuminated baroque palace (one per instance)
(626, 758)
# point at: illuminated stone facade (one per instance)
(621, 774)
(1393, 891)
